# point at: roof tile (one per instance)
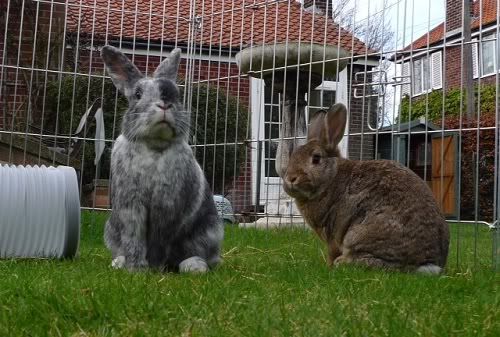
(488, 16)
(230, 24)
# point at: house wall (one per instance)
(453, 70)
(361, 147)
(454, 18)
(33, 75)
(22, 68)
(24, 76)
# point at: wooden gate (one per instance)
(444, 175)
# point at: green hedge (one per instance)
(60, 98)
(220, 163)
(435, 105)
(219, 128)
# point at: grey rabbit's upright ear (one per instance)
(123, 72)
(169, 67)
(317, 126)
(334, 125)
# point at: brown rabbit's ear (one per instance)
(317, 126)
(334, 126)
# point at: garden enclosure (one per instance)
(420, 80)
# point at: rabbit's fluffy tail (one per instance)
(429, 269)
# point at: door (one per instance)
(444, 166)
(266, 120)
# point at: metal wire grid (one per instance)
(201, 52)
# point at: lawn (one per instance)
(272, 283)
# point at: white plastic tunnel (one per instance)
(39, 212)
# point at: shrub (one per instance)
(433, 103)
(484, 157)
(86, 91)
(221, 163)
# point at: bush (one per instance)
(470, 155)
(433, 103)
(221, 163)
(85, 93)
(485, 158)
(210, 105)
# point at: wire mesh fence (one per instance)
(420, 80)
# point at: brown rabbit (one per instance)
(376, 213)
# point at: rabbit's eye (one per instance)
(316, 159)
(138, 93)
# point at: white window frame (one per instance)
(480, 55)
(422, 77)
(257, 108)
(435, 76)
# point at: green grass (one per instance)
(272, 283)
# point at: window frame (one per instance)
(480, 55)
(422, 78)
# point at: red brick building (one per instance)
(45, 40)
(435, 59)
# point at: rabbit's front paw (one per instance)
(342, 259)
(118, 262)
(193, 264)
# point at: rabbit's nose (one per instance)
(163, 106)
(292, 179)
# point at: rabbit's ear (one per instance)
(317, 126)
(335, 122)
(169, 67)
(124, 73)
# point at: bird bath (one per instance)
(291, 69)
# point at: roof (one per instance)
(416, 123)
(487, 17)
(241, 23)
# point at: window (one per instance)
(424, 73)
(272, 119)
(488, 56)
(421, 76)
(321, 98)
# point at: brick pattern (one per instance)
(240, 191)
(453, 70)
(19, 86)
(361, 147)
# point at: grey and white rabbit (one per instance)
(163, 213)
(375, 213)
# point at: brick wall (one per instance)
(23, 66)
(454, 11)
(361, 147)
(453, 70)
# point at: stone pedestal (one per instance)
(291, 69)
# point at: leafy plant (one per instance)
(434, 105)
(68, 100)
(218, 121)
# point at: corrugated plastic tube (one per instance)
(39, 212)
